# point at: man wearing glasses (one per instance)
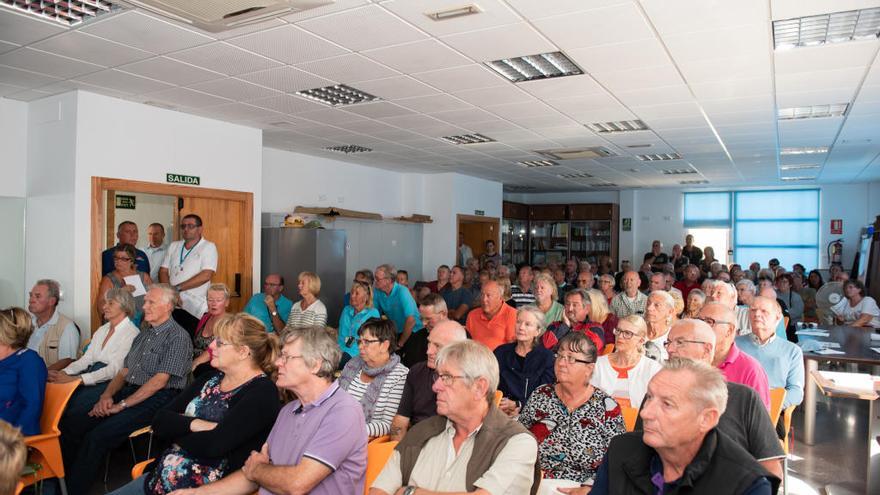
(493, 453)
(126, 233)
(270, 306)
(189, 266)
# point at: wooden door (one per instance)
(223, 222)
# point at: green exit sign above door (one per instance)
(190, 180)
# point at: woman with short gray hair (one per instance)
(524, 364)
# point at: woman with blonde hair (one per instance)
(625, 373)
(223, 416)
(22, 373)
(308, 311)
(546, 298)
(218, 303)
(359, 310)
(524, 364)
(13, 455)
(600, 313)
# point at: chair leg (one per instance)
(64, 486)
(106, 473)
(785, 475)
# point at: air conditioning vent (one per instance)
(576, 153)
(220, 15)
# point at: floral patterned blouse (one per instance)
(175, 468)
(571, 445)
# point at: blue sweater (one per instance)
(520, 376)
(22, 388)
(783, 362)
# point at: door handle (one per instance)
(236, 291)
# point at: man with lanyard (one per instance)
(189, 266)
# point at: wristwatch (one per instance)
(410, 490)
(274, 313)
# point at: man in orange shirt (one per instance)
(493, 323)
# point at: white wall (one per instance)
(13, 146)
(13, 189)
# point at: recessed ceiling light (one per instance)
(692, 182)
(68, 13)
(349, 149)
(442, 15)
(827, 28)
(659, 157)
(537, 163)
(806, 150)
(337, 95)
(581, 175)
(532, 67)
(813, 112)
(799, 167)
(798, 178)
(619, 126)
(467, 139)
(678, 171)
(576, 153)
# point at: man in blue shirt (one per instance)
(126, 233)
(396, 303)
(270, 306)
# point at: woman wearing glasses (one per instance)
(124, 268)
(572, 420)
(524, 364)
(375, 377)
(359, 309)
(625, 373)
(216, 422)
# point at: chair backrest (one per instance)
(777, 396)
(608, 349)
(377, 456)
(498, 396)
(57, 395)
(630, 414)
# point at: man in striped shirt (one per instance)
(522, 292)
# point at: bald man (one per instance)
(770, 293)
(419, 401)
(492, 324)
(782, 361)
(745, 420)
(737, 366)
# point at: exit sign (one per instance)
(124, 202)
(190, 180)
(479, 213)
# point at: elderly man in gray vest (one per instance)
(56, 338)
(493, 453)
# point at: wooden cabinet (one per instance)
(515, 211)
(591, 212)
(548, 212)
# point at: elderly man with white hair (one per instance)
(726, 294)
(680, 448)
(471, 446)
(745, 295)
(658, 316)
(782, 361)
(630, 301)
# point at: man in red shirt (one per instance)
(689, 282)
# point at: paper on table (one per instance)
(861, 381)
(813, 333)
(830, 345)
(135, 281)
(875, 336)
(876, 349)
(827, 351)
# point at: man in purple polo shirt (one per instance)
(319, 442)
(737, 366)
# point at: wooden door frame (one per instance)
(100, 185)
(477, 219)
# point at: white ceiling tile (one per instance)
(515, 40)
(363, 28)
(690, 16)
(7, 47)
(544, 122)
(23, 78)
(561, 87)
(47, 63)
(287, 104)
(471, 76)
(733, 88)
(397, 87)
(28, 95)
(678, 93)
(825, 57)
(8, 89)
(82, 46)
(245, 29)
(492, 13)
(170, 71)
(620, 56)
(538, 10)
(336, 6)
(712, 70)
(234, 89)
(240, 112)
(786, 9)
(637, 79)
(660, 125)
(500, 95)
(378, 110)
(807, 98)
(185, 98)
(421, 56)
(123, 82)
(332, 116)
(464, 116)
(348, 69)
(224, 58)
(22, 29)
(729, 42)
(820, 80)
(289, 44)
(145, 32)
(601, 26)
(433, 103)
(287, 79)
(738, 104)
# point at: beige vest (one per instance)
(49, 346)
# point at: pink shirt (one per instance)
(739, 367)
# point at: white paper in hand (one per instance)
(135, 281)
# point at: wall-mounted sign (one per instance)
(837, 226)
(627, 224)
(479, 213)
(190, 180)
(124, 202)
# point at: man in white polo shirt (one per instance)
(189, 266)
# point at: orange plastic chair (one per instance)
(497, 399)
(19, 487)
(786, 423)
(138, 468)
(45, 448)
(377, 456)
(777, 396)
(382, 439)
(608, 349)
(630, 414)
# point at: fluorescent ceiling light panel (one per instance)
(798, 167)
(582, 175)
(68, 12)
(537, 163)
(807, 150)
(659, 157)
(576, 153)
(813, 112)
(692, 182)
(798, 178)
(467, 139)
(349, 149)
(443, 15)
(337, 95)
(532, 67)
(822, 29)
(619, 126)
(678, 171)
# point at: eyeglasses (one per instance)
(679, 343)
(624, 334)
(121, 258)
(568, 358)
(188, 226)
(220, 343)
(448, 379)
(712, 321)
(284, 358)
(367, 341)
